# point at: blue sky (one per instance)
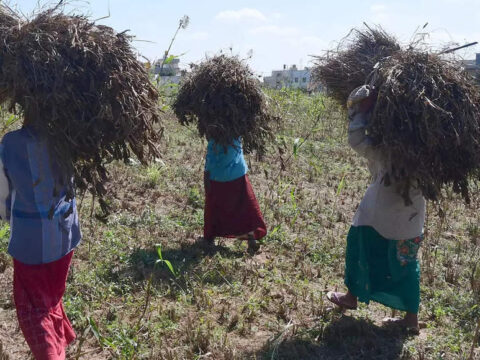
(276, 31)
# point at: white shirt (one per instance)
(382, 207)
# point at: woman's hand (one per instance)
(366, 104)
(206, 181)
(362, 99)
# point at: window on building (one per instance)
(304, 79)
(296, 80)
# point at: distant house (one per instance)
(169, 72)
(473, 67)
(292, 78)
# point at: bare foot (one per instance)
(410, 323)
(207, 244)
(411, 320)
(253, 245)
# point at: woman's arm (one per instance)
(360, 102)
(206, 181)
(5, 200)
(358, 139)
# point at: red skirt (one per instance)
(38, 292)
(232, 210)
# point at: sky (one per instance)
(271, 33)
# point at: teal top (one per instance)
(225, 164)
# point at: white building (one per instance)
(290, 78)
(169, 72)
(473, 66)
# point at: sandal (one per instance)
(333, 297)
(413, 330)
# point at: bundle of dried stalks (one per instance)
(80, 85)
(225, 100)
(426, 118)
(347, 67)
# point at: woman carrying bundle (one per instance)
(417, 123)
(81, 109)
(224, 99)
(383, 241)
(231, 209)
(44, 232)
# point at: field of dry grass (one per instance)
(125, 304)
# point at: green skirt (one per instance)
(382, 270)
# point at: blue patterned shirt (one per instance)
(44, 224)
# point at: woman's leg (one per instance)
(208, 217)
(411, 319)
(38, 292)
(409, 322)
(253, 245)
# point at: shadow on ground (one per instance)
(184, 260)
(345, 338)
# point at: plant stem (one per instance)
(147, 300)
(167, 52)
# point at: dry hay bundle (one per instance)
(8, 18)
(81, 85)
(347, 67)
(426, 119)
(226, 101)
